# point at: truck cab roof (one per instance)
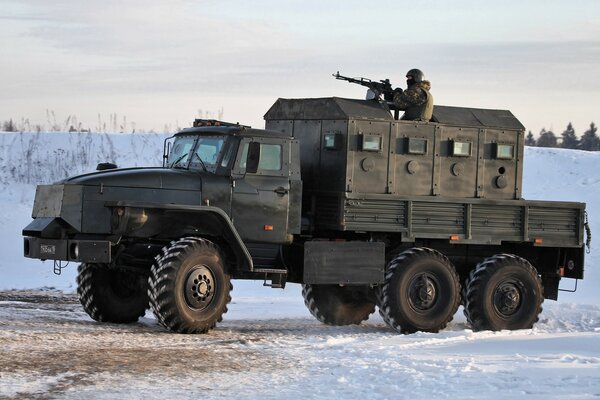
(231, 130)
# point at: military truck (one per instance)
(361, 208)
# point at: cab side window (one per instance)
(270, 157)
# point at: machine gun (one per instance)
(381, 88)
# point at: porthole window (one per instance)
(370, 142)
(505, 151)
(332, 141)
(417, 146)
(461, 149)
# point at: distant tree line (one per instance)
(567, 140)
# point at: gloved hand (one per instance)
(388, 96)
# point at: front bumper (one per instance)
(92, 251)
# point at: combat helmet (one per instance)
(416, 74)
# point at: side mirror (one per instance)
(167, 150)
(253, 157)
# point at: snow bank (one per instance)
(569, 175)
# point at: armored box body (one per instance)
(356, 146)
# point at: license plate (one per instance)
(48, 249)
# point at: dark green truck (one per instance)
(364, 210)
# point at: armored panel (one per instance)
(502, 164)
(308, 132)
(412, 155)
(355, 146)
(62, 201)
(331, 171)
(458, 155)
(283, 126)
(368, 152)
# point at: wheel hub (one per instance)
(422, 292)
(507, 298)
(199, 287)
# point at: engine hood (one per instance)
(156, 178)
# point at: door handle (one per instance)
(281, 191)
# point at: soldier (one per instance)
(415, 101)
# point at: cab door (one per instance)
(260, 200)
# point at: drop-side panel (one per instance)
(497, 220)
(376, 214)
(438, 218)
(554, 225)
(472, 221)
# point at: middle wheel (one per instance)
(338, 305)
(421, 291)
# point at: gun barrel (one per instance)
(378, 88)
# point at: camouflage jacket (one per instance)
(416, 101)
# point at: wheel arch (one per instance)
(173, 221)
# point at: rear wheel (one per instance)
(503, 292)
(110, 295)
(421, 291)
(189, 288)
(338, 305)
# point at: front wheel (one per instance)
(188, 286)
(503, 292)
(421, 291)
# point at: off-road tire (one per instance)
(337, 305)
(189, 288)
(503, 292)
(109, 295)
(421, 291)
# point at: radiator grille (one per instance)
(327, 211)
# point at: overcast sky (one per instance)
(164, 62)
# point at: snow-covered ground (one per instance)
(268, 345)
(269, 348)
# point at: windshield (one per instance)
(200, 151)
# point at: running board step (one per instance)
(277, 277)
(271, 271)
